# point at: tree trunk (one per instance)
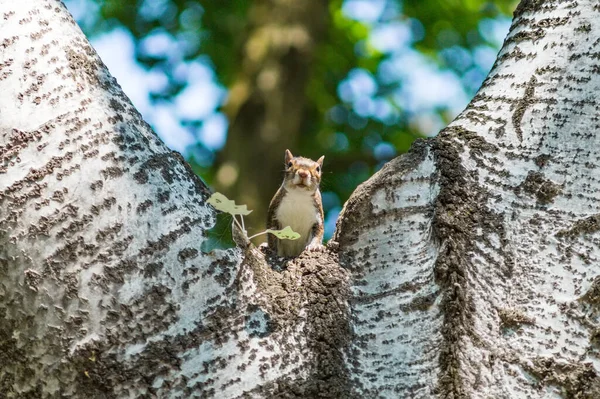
(266, 103)
(464, 269)
(473, 259)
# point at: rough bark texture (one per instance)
(474, 259)
(103, 290)
(266, 104)
(101, 285)
(465, 269)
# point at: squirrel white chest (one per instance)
(297, 210)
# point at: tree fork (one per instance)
(466, 268)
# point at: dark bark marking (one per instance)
(542, 160)
(516, 54)
(513, 318)
(460, 211)
(51, 316)
(406, 287)
(577, 380)
(152, 269)
(589, 225)
(592, 296)
(97, 367)
(17, 141)
(522, 105)
(527, 35)
(109, 233)
(163, 196)
(186, 254)
(70, 230)
(538, 185)
(83, 62)
(143, 207)
(112, 172)
(165, 240)
(104, 205)
(164, 163)
(258, 322)
(317, 284)
(534, 6)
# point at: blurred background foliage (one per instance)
(232, 84)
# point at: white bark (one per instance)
(474, 259)
(467, 268)
(103, 290)
(100, 224)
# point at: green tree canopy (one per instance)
(379, 74)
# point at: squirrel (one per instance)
(298, 204)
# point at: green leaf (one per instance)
(220, 235)
(286, 233)
(223, 204)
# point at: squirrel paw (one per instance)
(315, 247)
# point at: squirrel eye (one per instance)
(318, 168)
(289, 164)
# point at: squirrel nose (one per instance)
(302, 173)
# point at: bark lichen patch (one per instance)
(588, 225)
(573, 379)
(32, 279)
(537, 185)
(511, 318)
(84, 64)
(592, 296)
(16, 141)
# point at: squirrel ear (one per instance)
(288, 156)
(320, 161)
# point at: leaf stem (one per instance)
(257, 234)
(240, 225)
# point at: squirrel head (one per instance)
(302, 173)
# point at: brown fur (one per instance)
(295, 166)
